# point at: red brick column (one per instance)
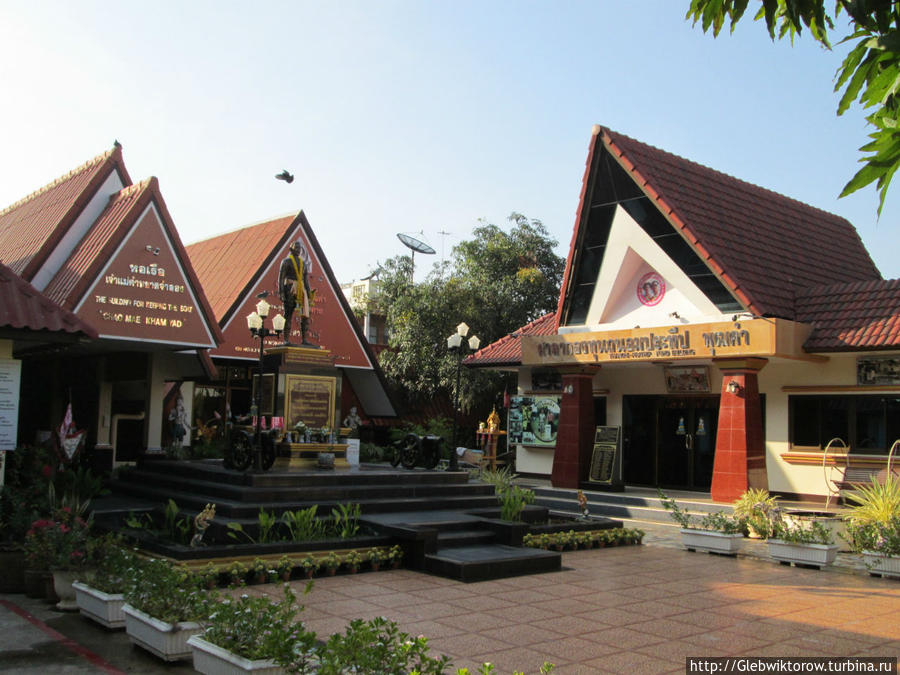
(575, 436)
(740, 460)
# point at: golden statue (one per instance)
(493, 421)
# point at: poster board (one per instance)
(10, 379)
(310, 399)
(606, 459)
(533, 420)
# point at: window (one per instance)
(869, 424)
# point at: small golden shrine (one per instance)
(488, 435)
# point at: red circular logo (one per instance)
(651, 289)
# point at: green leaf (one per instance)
(856, 82)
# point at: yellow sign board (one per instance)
(753, 337)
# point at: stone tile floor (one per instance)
(633, 609)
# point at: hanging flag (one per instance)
(70, 439)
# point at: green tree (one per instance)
(496, 282)
(870, 74)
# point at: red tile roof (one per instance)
(228, 263)
(507, 351)
(107, 233)
(98, 244)
(764, 246)
(23, 307)
(32, 227)
(852, 317)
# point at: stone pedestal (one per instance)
(306, 455)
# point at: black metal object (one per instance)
(413, 451)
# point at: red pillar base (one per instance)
(575, 437)
(740, 461)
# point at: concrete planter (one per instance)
(882, 565)
(711, 541)
(213, 660)
(809, 555)
(164, 640)
(62, 586)
(104, 608)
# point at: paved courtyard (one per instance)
(635, 609)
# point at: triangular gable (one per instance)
(746, 247)
(332, 325)
(33, 228)
(639, 284)
(131, 279)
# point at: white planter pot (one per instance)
(104, 608)
(831, 522)
(213, 660)
(813, 555)
(711, 541)
(883, 565)
(164, 640)
(62, 585)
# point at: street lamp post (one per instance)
(454, 343)
(256, 324)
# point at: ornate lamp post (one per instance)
(455, 343)
(255, 322)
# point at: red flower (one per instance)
(47, 471)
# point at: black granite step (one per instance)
(492, 561)
(454, 538)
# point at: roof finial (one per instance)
(116, 143)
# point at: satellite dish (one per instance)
(416, 246)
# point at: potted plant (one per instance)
(758, 510)
(377, 557)
(811, 546)
(352, 560)
(873, 526)
(395, 556)
(237, 573)
(330, 563)
(59, 544)
(259, 571)
(714, 532)
(253, 635)
(164, 603)
(99, 594)
(284, 568)
(310, 566)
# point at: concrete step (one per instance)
(644, 507)
(493, 561)
(471, 537)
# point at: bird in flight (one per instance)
(286, 176)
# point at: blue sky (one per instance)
(412, 115)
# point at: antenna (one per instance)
(416, 246)
(443, 236)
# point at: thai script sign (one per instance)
(754, 337)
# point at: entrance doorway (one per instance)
(670, 441)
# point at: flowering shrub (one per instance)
(110, 562)
(262, 628)
(875, 537)
(166, 592)
(816, 533)
(58, 543)
(377, 646)
(716, 521)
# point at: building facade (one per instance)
(731, 336)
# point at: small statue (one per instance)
(201, 522)
(493, 421)
(293, 287)
(352, 420)
(582, 502)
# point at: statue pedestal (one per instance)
(306, 455)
